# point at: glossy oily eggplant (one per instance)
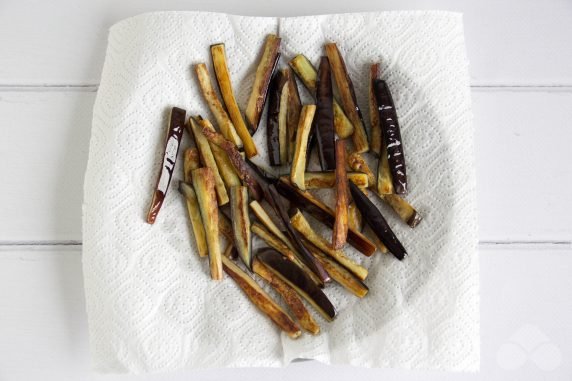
(324, 117)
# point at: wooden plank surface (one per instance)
(524, 183)
(517, 42)
(525, 323)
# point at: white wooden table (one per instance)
(51, 53)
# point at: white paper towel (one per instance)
(151, 305)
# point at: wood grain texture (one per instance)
(511, 42)
(524, 176)
(43, 326)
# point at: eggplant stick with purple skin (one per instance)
(375, 134)
(278, 245)
(266, 220)
(241, 224)
(172, 143)
(391, 136)
(195, 217)
(340, 229)
(209, 94)
(225, 167)
(324, 214)
(204, 184)
(309, 76)
(207, 159)
(324, 118)
(293, 114)
(300, 223)
(357, 163)
(276, 125)
(276, 201)
(295, 278)
(222, 73)
(340, 274)
(403, 209)
(242, 169)
(373, 217)
(289, 296)
(299, 160)
(348, 97)
(320, 180)
(261, 299)
(384, 181)
(264, 72)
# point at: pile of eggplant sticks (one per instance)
(223, 189)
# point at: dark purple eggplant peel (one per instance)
(324, 118)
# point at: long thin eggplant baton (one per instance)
(241, 223)
(391, 136)
(324, 214)
(195, 218)
(320, 180)
(222, 73)
(299, 161)
(172, 143)
(276, 134)
(372, 216)
(340, 229)
(375, 134)
(261, 299)
(264, 72)
(404, 210)
(324, 118)
(294, 110)
(314, 265)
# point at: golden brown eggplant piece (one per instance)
(207, 159)
(230, 251)
(263, 217)
(225, 167)
(241, 223)
(354, 217)
(309, 75)
(293, 114)
(339, 273)
(195, 218)
(298, 280)
(348, 97)
(172, 143)
(222, 73)
(204, 184)
(261, 299)
(264, 72)
(384, 180)
(324, 119)
(285, 250)
(319, 180)
(209, 94)
(357, 163)
(370, 234)
(299, 160)
(340, 229)
(404, 210)
(289, 296)
(375, 134)
(300, 223)
(225, 227)
(277, 118)
(310, 204)
(242, 169)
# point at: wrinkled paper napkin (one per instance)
(151, 305)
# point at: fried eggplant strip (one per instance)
(300, 223)
(340, 229)
(230, 251)
(391, 136)
(357, 163)
(263, 217)
(339, 273)
(371, 235)
(294, 110)
(241, 223)
(320, 180)
(264, 72)
(225, 227)
(207, 159)
(295, 278)
(222, 73)
(204, 184)
(289, 296)
(404, 210)
(172, 143)
(195, 218)
(348, 97)
(324, 214)
(299, 160)
(384, 180)
(375, 135)
(242, 169)
(354, 217)
(225, 167)
(275, 243)
(309, 75)
(261, 299)
(373, 217)
(325, 117)
(222, 119)
(276, 125)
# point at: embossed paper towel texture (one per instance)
(151, 305)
